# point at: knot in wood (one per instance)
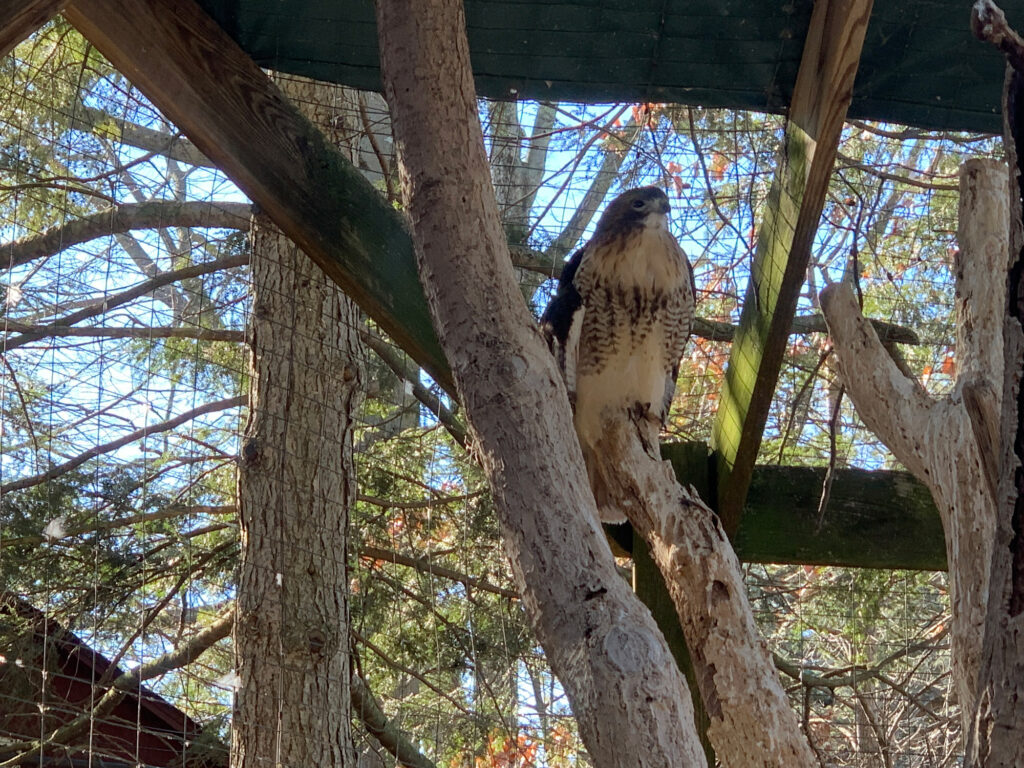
(251, 452)
(512, 368)
(628, 649)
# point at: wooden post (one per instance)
(210, 88)
(821, 96)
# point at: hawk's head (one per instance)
(642, 207)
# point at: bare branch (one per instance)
(875, 378)
(105, 125)
(424, 565)
(410, 373)
(97, 332)
(149, 215)
(113, 445)
(734, 671)
(102, 306)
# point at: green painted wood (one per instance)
(820, 100)
(874, 519)
(920, 66)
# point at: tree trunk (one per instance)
(296, 485)
(628, 696)
(630, 700)
(948, 444)
(996, 740)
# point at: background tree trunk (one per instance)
(995, 738)
(296, 485)
(948, 444)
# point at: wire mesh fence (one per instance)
(128, 326)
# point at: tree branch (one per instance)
(113, 445)
(425, 566)
(99, 332)
(410, 373)
(600, 640)
(950, 444)
(121, 522)
(149, 215)
(988, 23)
(101, 306)
(883, 395)
(369, 712)
(103, 124)
(751, 721)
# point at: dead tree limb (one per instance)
(630, 700)
(948, 444)
(752, 722)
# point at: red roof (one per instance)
(143, 728)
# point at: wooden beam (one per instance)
(818, 108)
(874, 518)
(210, 88)
(20, 18)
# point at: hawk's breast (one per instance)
(638, 301)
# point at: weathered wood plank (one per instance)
(204, 83)
(874, 519)
(820, 99)
(20, 18)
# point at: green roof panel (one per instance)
(920, 65)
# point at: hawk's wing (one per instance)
(562, 321)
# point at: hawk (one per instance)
(619, 321)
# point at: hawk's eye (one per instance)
(638, 203)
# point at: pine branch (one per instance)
(113, 445)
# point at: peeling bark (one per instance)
(629, 697)
(751, 720)
(949, 443)
(995, 740)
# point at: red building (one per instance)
(48, 679)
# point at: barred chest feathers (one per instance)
(638, 298)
